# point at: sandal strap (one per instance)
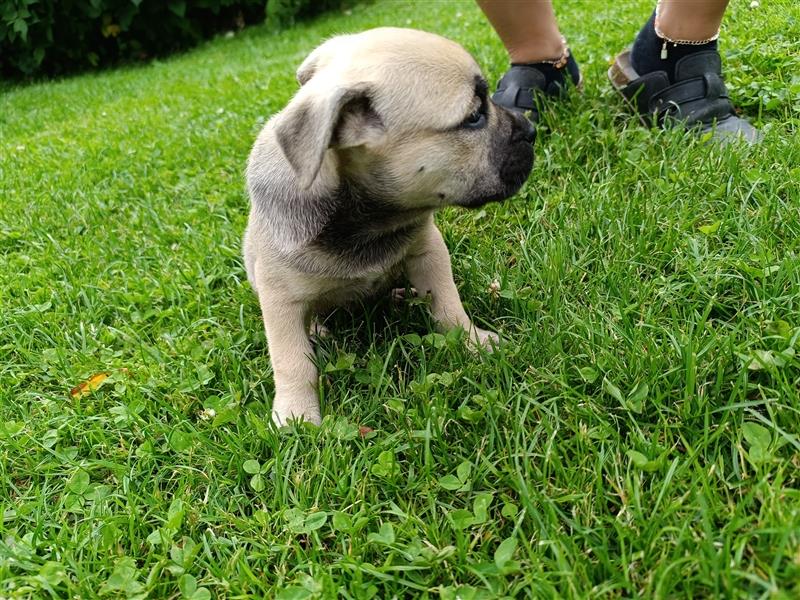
(518, 86)
(698, 99)
(708, 86)
(524, 99)
(522, 83)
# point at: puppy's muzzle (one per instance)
(512, 153)
(527, 129)
(519, 155)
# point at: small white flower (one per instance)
(207, 414)
(754, 4)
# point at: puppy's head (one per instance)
(406, 114)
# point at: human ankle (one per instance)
(544, 50)
(654, 50)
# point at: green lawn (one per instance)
(638, 435)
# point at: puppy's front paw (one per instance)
(285, 409)
(488, 340)
(399, 295)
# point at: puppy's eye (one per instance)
(475, 120)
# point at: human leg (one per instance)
(528, 29)
(673, 72)
(541, 62)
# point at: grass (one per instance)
(636, 437)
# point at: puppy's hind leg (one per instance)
(429, 271)
(291, 354)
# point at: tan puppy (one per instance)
(388, 126)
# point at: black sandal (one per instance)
(522, 83)
(698, 99)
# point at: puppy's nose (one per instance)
(524, 129)
(529, 131)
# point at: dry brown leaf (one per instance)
(88, 386)
(364, 430)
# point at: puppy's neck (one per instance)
(366, 229)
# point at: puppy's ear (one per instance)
(308, 67)
(358, 124)
(318, 119)
(321, 57)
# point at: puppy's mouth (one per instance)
(513, 173)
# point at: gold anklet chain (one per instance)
(559, 62)
(674, 42)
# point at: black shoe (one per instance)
(697, 100)
(522, 83)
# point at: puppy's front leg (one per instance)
(290, 351)
(429, 271)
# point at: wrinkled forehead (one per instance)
(427, 95)
(418, 79)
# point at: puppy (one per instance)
(387, 126)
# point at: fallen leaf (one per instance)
(88, 386)
(711, 228)
(364, 430)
